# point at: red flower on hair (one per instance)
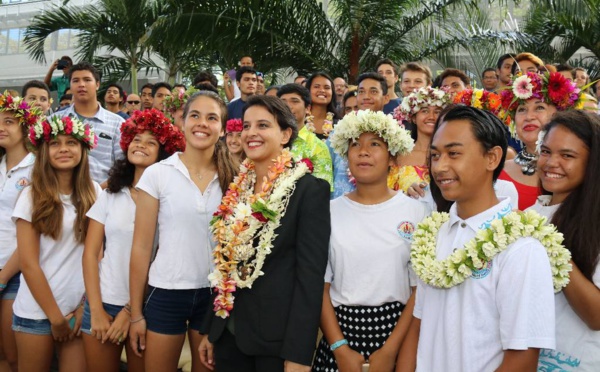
(234, 125)
(157, 123)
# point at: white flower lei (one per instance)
(385, 126)
(487, 243)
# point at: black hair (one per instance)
(488, 70)
(180, 86)
(487, 129)
(297, 89)
(157, 86)
(119, 88)
(66, 96)
(273, 87)
(147, 85)
(577, 216)
(84, 66)
(331, 106)
(277, 108)
(206, 76)
(504, 57)
(373, 76)
(348, 94)
(34, 84)
(244, 70)
(122, 172)
(387, 61)
(207, 86)
(564, 67)
(455, 73)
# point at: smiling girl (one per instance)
(322, 109)
(51, 226)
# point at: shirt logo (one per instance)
(480, 274)
(406, 229)
(22, 183)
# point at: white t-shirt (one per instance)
(184, 255)
(60, 261)
(117, 213)
(508, 305)
(369, 250)
(577, 346)
(12, 181)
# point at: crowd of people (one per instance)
(407, 223)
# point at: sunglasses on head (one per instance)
(133, 102)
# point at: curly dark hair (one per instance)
(122, 172)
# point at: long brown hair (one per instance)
(25, 132)
(47, 214)
(227, 167)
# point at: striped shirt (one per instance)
(107, 127)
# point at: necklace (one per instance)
(478, 252)
(526, 161)
(327, 124)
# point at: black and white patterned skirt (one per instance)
(365, 327)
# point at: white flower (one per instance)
(522, 87)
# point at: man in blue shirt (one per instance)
(246, 80)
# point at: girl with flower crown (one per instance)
(369, 286)
(569, 169)
(421, 108)
(51, 221)
(233, 139)
(528, 104)
(180, 194)
(146, 138)
(272, 231)
(16, 163)
(323, 114)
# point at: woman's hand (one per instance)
(119, 329)
(382, 360)
(78, 314)
(295, 367)
(137, 336)
(207, 356)
(415, 190)
(61, 331)
(100, 324)
(348, 360)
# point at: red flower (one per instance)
(234, 125)
(259, 216)
(559, 88)
(308, 163)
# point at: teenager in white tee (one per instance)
(51, 227)
(181, 194)
(499, 318)
(568, 167)
(16, 163)
(147, 137)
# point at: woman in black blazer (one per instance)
(272, 230)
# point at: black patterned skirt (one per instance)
(365, 327)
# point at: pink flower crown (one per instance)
(26, 114)
(44, 131)
(176, 101)
(157, 123)
(234, 125)
(419, 99)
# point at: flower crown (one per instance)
(419, 99)
(26, 114)
(479, 98)
(44, 131)
(354, 124)
(552, 88)
(176, 101)
(157, 123)
(234, 125)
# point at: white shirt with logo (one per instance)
(507, 305)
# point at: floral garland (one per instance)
(244, 217)
(234, 125)
(487, 243)
(44, 131)
(552, 88)
(175, 102)
(479, 98)
(154, 121)
(327, 124)
(27, 115)
(362, 121)
(419, 99)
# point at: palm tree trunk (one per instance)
(134, 80)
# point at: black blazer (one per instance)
(279, 316)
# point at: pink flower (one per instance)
(309, 164)
(522, 87)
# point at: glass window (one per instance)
(13, 41)
(3, 41)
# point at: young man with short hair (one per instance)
(85, 81)
(146, 93)
(454, 80)
(372, 92)
(504, 68)
(232, 90)
(60, 83)
(206, 77)
(246, 80)
(489, 79)
(159, 92)
(566, 70)
(389, 70)
(37, 94)
(496, 318)
(414, 75)
(114, 98)
(307, 145)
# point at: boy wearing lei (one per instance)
(486, 275)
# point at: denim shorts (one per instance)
(173, 311)
(40, 327)
(12, 287)
(86, 323)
